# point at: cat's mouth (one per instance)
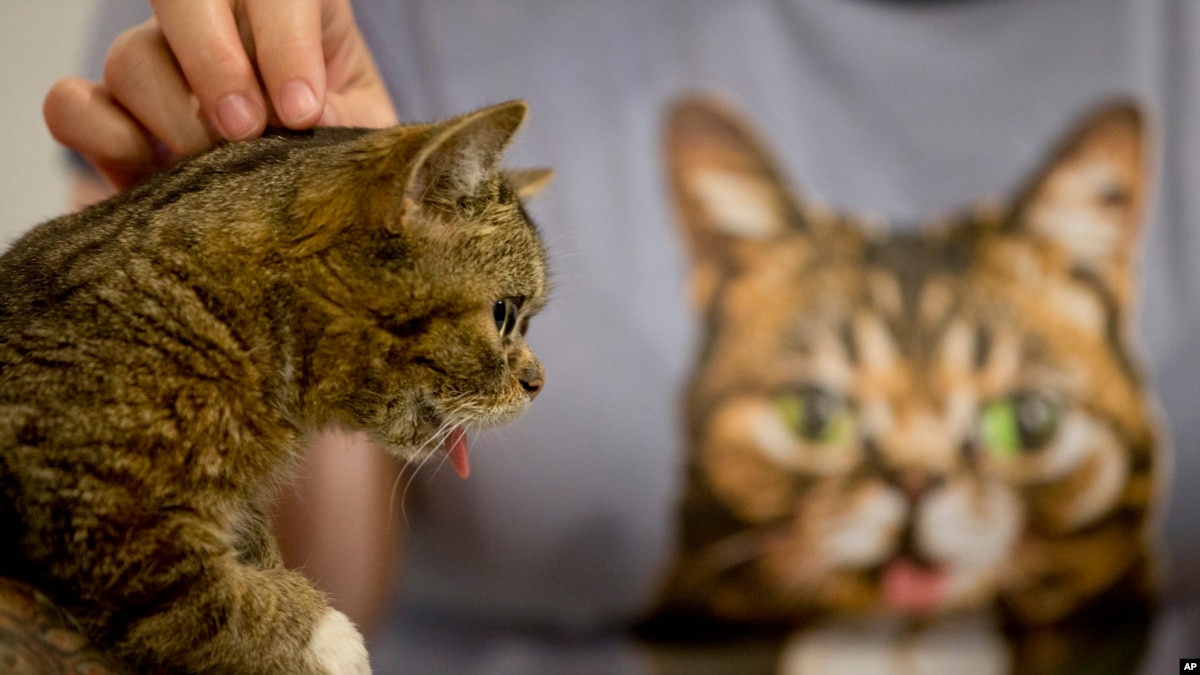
(451, 439)
(455, 447)
(911, 587)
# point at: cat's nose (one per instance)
(532, 386)
(531, 376)
(915, 483)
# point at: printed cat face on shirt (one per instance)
(912, 422)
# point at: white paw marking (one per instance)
(338, 646)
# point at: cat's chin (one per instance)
(476, 414)
(448, 440)
(432, 435)
(501, 416)
(438, 433)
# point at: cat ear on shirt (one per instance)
(727, 188)
(1089, 200)
(731, 198)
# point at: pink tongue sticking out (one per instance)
(912, 588)
(455, 445)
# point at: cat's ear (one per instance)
(725, 183)
(1089, 200)
(730, 199)
(460, 156)
(528, 182)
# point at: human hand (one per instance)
(203, 71)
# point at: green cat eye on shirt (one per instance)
(817, 416)
(1018, 423)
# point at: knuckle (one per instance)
(227, 61)
(129, 54)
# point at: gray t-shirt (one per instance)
(904, 109)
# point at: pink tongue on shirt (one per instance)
(455, 445)
(912, 588)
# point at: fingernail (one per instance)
(237, 116)
(297, 101)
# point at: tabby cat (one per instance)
(913, 423)
(164, 354)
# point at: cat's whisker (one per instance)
(423, 455)
(435, 440)
(436, 469)
(559, 256)
(412, 471)
(505, 448)
(445, 456)
(727, 554)
(392, 499)
(556, 269)
(566, 277)
(551, 239)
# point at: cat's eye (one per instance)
(505, 314)
(817, 416)
(1019, 423)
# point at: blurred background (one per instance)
(43, 40)
(40, 41)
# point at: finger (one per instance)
(358, 97)
(203, 36)
(87, 188)
(360, 107)
(356, 93)
(81, 116)
(288, 49)
(141, 75)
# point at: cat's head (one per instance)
(912, 423)
(419, 271)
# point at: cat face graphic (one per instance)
(911, 422)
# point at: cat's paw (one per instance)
(338, 646)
